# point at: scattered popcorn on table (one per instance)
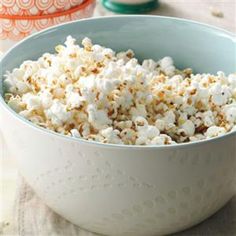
(216, 12)
(91, 92)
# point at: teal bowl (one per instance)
(199, 46)
(127, 190)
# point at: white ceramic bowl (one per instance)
(127, 190)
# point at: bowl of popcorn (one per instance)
(124, 128)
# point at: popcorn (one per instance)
(232, 81)
(147, 132)
(159, 140)
(169, 117)
(160, 124)
(128, 136)
(75, 133)
(13, 85)
(140, 121)
(149, 64)
(215, 131)
(31, 101)
(74, 100)
(230, 113)
(98, 118)
(220, 94)
(196, 137)
(125, 56)
(94, 93)
(139, 110)
(163, 139)
(46, 98)
(123, 124)
(106, 85)
(140, 141)
(111, 135)
(188, 128)
(58, 113)
(15, 104)
(25, 113)
(71, 41)
(166, 65)
(86, 129)
(208, 118)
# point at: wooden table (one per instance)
(224, 222)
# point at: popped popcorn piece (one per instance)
(32, 101)
(216, 12)
(94, 93)
(140, 121)
(160, 124)
(148, 132)
(163, 139)
(74, 100)
(98, 118)
(58, 113)
(230, 113)
(16, 104)
(215, 131)
(46, 98)
(149, 64)
(188, 128)
(139, 110)
(111, 135)
(232, 80)
(167, 65)
(208, 118)
(169, 117)
(220, 94)
(75, 133)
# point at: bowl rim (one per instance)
(230, 35)
(48, 16)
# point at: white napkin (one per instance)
(34, 218)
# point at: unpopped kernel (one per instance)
(94, 93)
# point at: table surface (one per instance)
(221, 224)
(198, 10)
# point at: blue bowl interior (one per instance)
(201, 47)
